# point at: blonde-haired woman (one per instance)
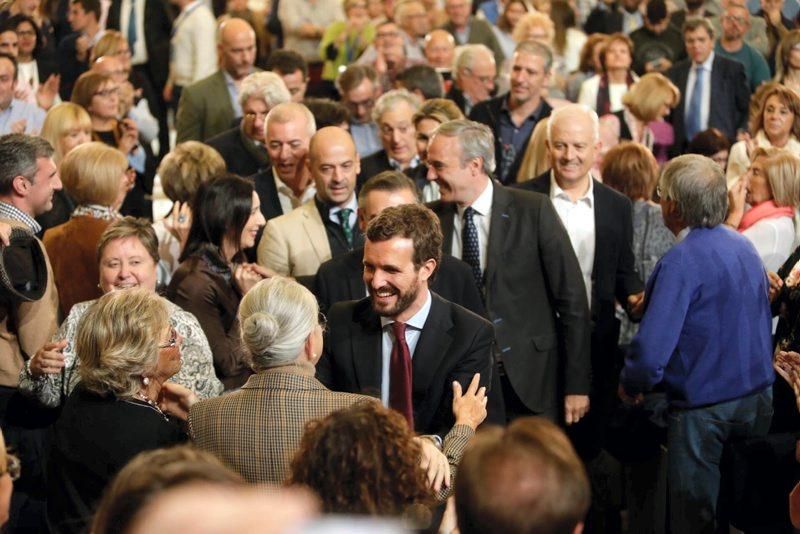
(95, 177)
(127, 351)
(536, 159)
(771, 189)
(433, 112)
(66, 126)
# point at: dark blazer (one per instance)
(730, 97)
(535, 298)
(157, 33)
(613, 273)
(454, 345)
(480, 32)
(68, 65)
(379, 161)
(242, 156)
(340, 279)
(488, 113)
(264, 182)
(457, 96)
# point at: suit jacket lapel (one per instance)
(498, 231)
(447, 213)
(315, 229)
(367, 350)
(433, 344)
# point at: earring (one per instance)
(145, 381)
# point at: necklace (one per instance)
(150, 403)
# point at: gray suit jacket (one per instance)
(480, 32)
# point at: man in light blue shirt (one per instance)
(16, 116)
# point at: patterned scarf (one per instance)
(603, 98)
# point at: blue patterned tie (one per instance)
(344, 222)
(693, 124)
(470, 252)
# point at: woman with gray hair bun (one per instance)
(281, 329)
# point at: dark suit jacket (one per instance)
(379, 161)
(242, 156)
(264, 182)
(68, 65)
(457, 96)
(480, 32)
(488, 113)
(613, 274)
(204, 109)
(157, 34)
(535, 298)
(340, 279)
(603, 19)
(730, 97)
(454, 345)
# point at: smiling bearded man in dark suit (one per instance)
(404, 343)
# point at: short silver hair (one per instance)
(572, 109)
(267, 86)
(697, 185)
(389, 100)
(466, 55)
(276, 317)
(476, 140)
(288, 111)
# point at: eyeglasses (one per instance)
(13, 467)
(105, 93)
(26, 33)
(733, 18)
(252, 115)
(173, 340)
(483, 79)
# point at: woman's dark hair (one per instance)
(14, 21)
(373, 450)
(502, 20)
(708, 142)
(220, 209)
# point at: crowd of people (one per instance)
(509, 266)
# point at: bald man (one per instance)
(297, 243)
(208, 107)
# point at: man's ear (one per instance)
(20, 185)
(427, 269)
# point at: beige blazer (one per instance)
(295, 244)
(26, 326)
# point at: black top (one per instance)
(93, 439)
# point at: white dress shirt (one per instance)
(705, 104)
(287, 197)
(578, 218)
(352, 205)
(482, 219)
(413, 332)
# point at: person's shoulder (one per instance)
(461, 316)
(223, 138)
(612, 195)
(200, 86)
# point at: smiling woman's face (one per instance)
(126, 263)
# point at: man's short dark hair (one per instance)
(327, 112)
(523, 478)
(389, 181)
(410, 221)
(353, 76)
(708, 142)
(287, 62)
(90, 6)
(18, 155)
(656, 11)
(422, 78)
(12, 59)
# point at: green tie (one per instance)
(344, 222)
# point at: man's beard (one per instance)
(404, 300)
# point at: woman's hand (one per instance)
(179, 221)
(736, 197)
(176, 400)
(775, 285)
(470, 408)
(245, 277)
(129, 136)
(48, 360)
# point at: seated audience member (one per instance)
(374, 445)
(713, 144)
(293, 69)
(127, 350)
(211, 281)
(297, 243)
(66, 126)
(513, 115)
(424, 342)
(440, 51)
(9, 472)
(341, 279)
(96, 177)
(17, 115)
(468, 29)
(282, 335)
(771, 189)
(345, 40)
(145, 479)
(603, 92)
(536, 159)
(523, 478)
(646, 105)
(127, 254)
(430, 115)
(775, 123)
(99, 95)
(328, 112)
(588, 66)
(188, 165)
(507, 22)
(393, 113)
(422, 81)
(631, 169)
(474, 77)
(46, 94)
(242, 147)
(359, 88)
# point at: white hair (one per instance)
(267, 86)
(573, 109)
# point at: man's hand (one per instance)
(48, 360)
(176, 400)
(787, 364)
(775, 285)
(470, 408)
(575, 407)
(627, 399)
(636, 305)
(435, 464)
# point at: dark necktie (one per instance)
(470, 251)
(132, 26)
(693, 112)
(344, 222)
(400, 375)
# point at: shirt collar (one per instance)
(707, 63)
(396, 165)
(557, 192)
(417, 320)
(535, 115)
(9, 211)
(352, 205)
(482, 204)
